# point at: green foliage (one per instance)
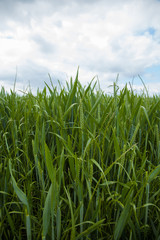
(79, 164)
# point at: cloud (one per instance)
(44, 45)
(102, 37)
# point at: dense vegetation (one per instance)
(79, 164)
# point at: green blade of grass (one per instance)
(120, 225)
(23, 198)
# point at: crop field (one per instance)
(76, 163)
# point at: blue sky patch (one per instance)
(151, 30)
(152, 74)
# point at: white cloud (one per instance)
(102, 37)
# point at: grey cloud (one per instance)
(58, 23)
(35, 75)
(7, 77)
(14, 11)
(9, 7)
(122, 64)
(32, 73)
(28, 74)
(24, 10)
(106, 66)
(31, 76)
(44, 45)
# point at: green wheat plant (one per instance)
(76, 163)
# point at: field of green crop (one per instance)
(79, 164)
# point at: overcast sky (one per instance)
(103, 37)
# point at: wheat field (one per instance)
(79, 164)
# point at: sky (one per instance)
(103, 38)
